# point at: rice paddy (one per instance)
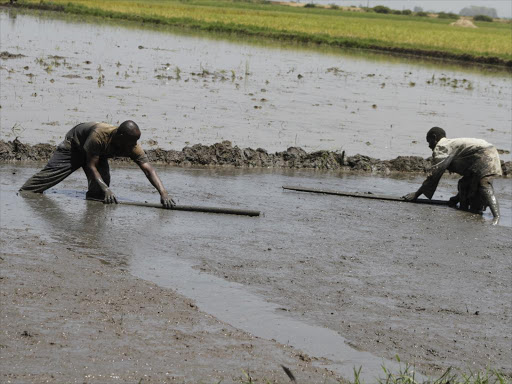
(427, 36)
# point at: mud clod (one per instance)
(225, 154)
(6, 55)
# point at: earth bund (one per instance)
(225, 154)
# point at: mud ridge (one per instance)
(225, 154)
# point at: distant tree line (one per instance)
(418, 11)
(478, 13)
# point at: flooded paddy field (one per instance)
(345, 281)
(188, 89)
(318, 283)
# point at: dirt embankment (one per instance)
(225, 154)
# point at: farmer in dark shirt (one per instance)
(88, 146)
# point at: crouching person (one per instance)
(475, 159)
(89, 146)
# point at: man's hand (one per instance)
(410, 196)
(110, 198)
(167, 201)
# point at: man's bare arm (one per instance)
(91, 169)
(153, 178)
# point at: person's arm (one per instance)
(91, 169)
(414, 195)
(430, 184)
(153, 178)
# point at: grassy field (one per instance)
(398, 33)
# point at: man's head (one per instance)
(434, 135)
(126, 136)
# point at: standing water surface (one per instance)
(185, 89)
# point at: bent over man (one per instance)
(476, 160)
(88, 146)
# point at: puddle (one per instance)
(313, 271)
(183, 89)
(230, 302)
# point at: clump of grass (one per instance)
(407, 375)
(449, 15)
(483, 18)
(381, 9)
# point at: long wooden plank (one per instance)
(364, 195)
(191, 208)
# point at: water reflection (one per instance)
(82, 228)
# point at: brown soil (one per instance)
(224, 154)
(69, 318)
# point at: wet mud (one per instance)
(68, 317)
(431, 284)
(225, 154)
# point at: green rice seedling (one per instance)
(247, 73)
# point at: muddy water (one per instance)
(188, 89)
(347, 281)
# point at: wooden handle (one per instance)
(365, 195)
(191, 208)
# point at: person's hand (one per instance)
(167, 201)
(410, 196)
(110, 198)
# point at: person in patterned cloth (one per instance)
(475, 159)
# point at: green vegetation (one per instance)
(382, 9)
(482, 18)
(407, 375)
(449, 15)
(427, 36)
